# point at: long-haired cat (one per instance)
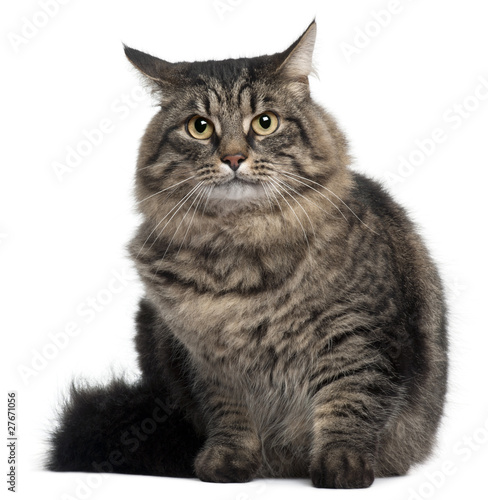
(294, 324)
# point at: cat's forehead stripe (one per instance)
(215, 99)
(246, 99)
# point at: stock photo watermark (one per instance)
(85, 487)
(131, 439)
(12, 430)
(129, 442)
(224, 7)
(462, 451)
(91, 138)
(379, 20)
(453, 118)
(86, 312)
(32, 25)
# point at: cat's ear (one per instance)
(295, 63)
(155, 70)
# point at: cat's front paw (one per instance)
(222, 463)
(342, 467)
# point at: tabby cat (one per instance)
(294, 324)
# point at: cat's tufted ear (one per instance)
(154, 69)
(295, 63)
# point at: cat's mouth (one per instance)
(238, 189)
(239, 181)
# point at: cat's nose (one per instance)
(234, 161)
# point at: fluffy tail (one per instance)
(129, 429)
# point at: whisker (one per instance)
(179, 204)
(313, 189)
(148, 166)
(338, 197)
(263, 185)
(209, 192)
(155, 164)
(199, 197)
(166, 189)
(177, 229)
(276, 185)
(190, 195)
(272, 190)
(303, 196)
(296, 201)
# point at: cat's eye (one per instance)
(265, 123)
(200, 128)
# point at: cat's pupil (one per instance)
(200, 125)
(265, 121)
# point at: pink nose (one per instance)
(234, 161)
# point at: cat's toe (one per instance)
(226, 464)
(342, 468)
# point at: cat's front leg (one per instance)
(349, 413)
(232, 452)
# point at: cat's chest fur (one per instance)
(230, 327)
(238, 316)
(257, 340)
(246, 344)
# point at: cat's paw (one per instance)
(342, 468)
(220, 463)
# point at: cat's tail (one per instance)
(124, 428)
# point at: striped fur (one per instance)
(295, 312)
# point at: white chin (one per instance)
(237, 191)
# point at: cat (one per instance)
(294, 324)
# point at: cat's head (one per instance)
(236, 134)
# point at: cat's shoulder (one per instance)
(370, 195)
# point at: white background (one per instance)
(63, 236)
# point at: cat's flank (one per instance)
(293, 324)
